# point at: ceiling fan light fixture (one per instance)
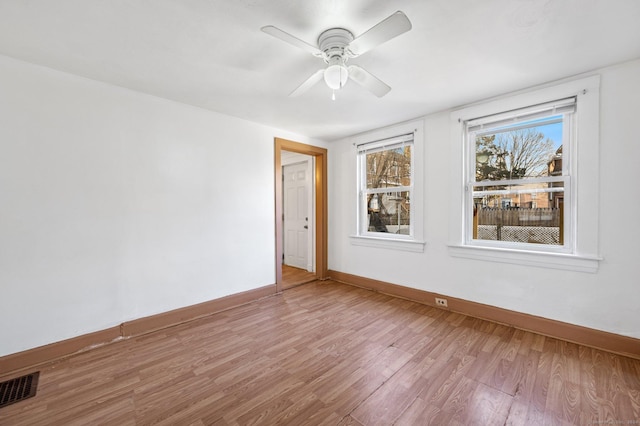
(336, 76)
(337, 45)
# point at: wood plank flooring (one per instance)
(329, 354)
(292, 276)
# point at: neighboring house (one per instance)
(555, 169)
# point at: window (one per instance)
(513, 158)
(389, 179)
(386, 169)
(528, 179)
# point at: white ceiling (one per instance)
(212, 54)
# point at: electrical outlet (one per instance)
(441, 302)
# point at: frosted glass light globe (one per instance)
(336, 76)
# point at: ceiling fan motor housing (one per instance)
(334, 44)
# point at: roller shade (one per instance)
(491, 123)
(384, 144)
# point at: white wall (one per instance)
(115, 205)
(607, 300)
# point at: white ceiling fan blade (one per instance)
(308, 83)
(284, 36)
(368, 81)
(391, 27)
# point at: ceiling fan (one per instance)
(337, 45)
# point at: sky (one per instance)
(553, 132)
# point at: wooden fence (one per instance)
(519, 217)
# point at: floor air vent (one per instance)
(17, 389)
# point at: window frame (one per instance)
(569, 145)
(581, 253)
(364, 191)
(362, 237)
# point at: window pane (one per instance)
(389, 168)
(527, 213)
(389, 212)
(519, 151)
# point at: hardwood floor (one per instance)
(330, 354)
(292, 276)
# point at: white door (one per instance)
(296, 214)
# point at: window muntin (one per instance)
(386, 188)
(517, 186)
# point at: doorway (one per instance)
(298, 214)
(302, 207)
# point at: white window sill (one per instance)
(569, 262)
(388, 243)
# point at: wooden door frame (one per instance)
(321, 211)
